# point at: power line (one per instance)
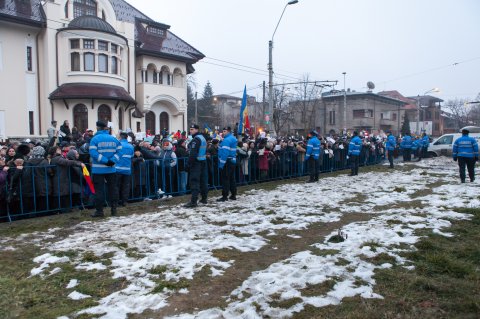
(431, 70)
(249, 67)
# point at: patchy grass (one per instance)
(320, 289)
(285, 304)
(399, 189)
(445, 282)
(23, 296)
(372, 244)
(280, 221)
(323, 252)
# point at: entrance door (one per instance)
(80, 117)
(164, 122)
(150, 123)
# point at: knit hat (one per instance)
(72, 155)
(38, 152)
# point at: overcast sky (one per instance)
(407, 45)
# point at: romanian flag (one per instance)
(242, 125)
(88, 179)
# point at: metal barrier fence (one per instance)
(39, 190)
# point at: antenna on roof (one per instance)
(370, 86)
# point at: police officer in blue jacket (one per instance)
(104, 152)
(227, 160)
(423, 144)
(406, 146)
(312, 156)
(197, 167)
(124, 169)
(354, 149)
(465, 150)
(390, 146)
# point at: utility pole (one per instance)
(344, 104)
(196, 109)
(263, 104)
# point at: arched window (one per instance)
(80, 117)
(164, 121)
(120, 118)
(84, 8)
(150, 123)
(164, 74)
(66, 10)
(177, 78)
(151, 71)
(104, 113)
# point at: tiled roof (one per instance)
(22, 11)
(169, 45)
(91, 91)
(91, 23)
(126, 12)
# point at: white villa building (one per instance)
(85, 60)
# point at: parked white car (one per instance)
(444, 144)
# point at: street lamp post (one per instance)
(270, 67)
(436, 90)
(344, 104)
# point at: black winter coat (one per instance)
(63, 177)
(36, 178)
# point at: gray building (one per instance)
(364, 111)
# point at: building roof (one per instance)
(91, 23)
(167, 45)
(126, 12)
(226, 96)
(340, 94)
(426, 99)
(410, 103)
(29, 12)
(91, 91)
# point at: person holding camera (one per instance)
(104, 151)
(465, 150)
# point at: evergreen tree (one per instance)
(207, 112)
(405, 125)
(190, 104)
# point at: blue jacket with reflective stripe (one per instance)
(202, 151)
(124, 166)
(465, 146)
(313, 148)
(104, 147)
(417, 144)
(355, 146)
(227, 150)
(406, 142)
(425, 141)
(391, 143)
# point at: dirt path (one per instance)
(209, 292)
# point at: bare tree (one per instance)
(281, 112)
(306, 104)
(460, 110)
(475, 111)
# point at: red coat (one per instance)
(263, 160)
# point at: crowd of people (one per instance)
(49, 177)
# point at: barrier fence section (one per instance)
(40, 190)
